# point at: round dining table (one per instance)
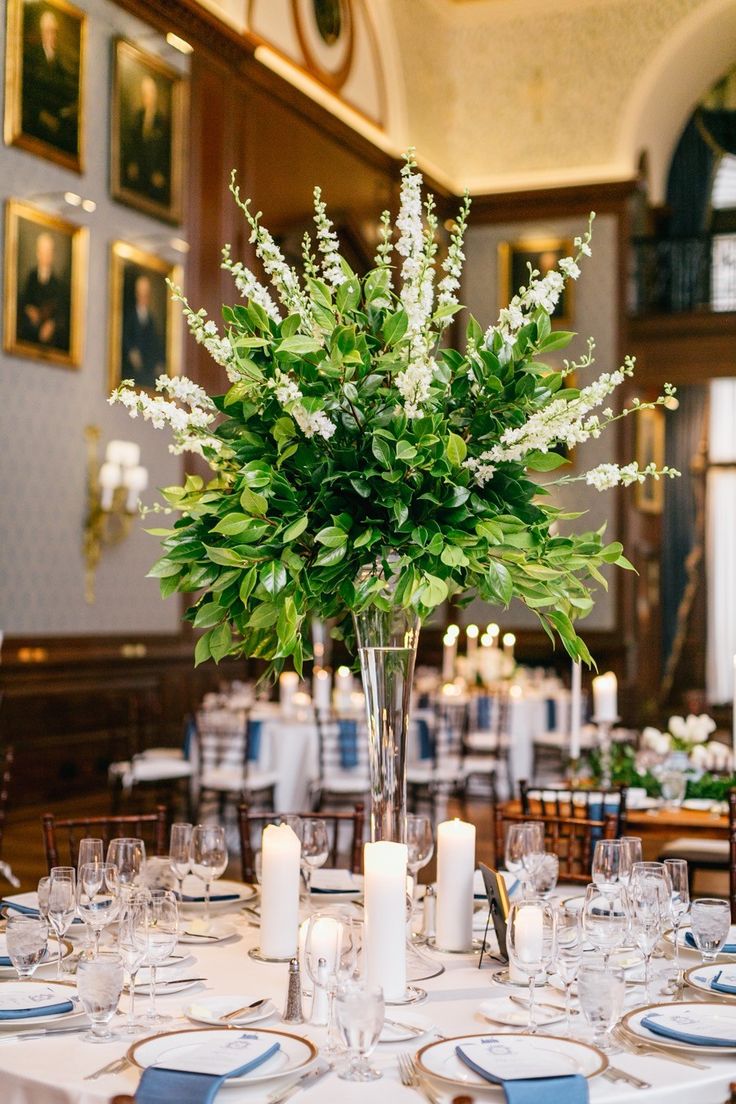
(54, 1070)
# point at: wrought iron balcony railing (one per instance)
(677, 275)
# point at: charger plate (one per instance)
(538, 1056)
(711, 1018)
(294, 1056)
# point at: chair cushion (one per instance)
(345, 783)
(227, 779)
(481, 741)
(697, 850)
(480, 764)
(260, 780)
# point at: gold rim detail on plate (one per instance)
(662, 1040)
(130, 1055)
(603, 1060)
(727, 997)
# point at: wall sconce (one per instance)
(113, 490)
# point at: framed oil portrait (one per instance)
(144, 325)
(650, 442)
(44, 80)
(542, 254)
(147, 132)
(45, 285)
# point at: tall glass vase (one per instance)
(387, 647)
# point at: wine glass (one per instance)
(315, 848)
(514, 849)
(162, 933)
(133, 947)
(26, 941)
(679, 901)
(90, 851)
(209, 859)
(531, 940)
(98, 897)
(710, 923)
(420, 844)
(630, 854)
(99, 984)
(601, 994)
(607, 864)
(646, 919)
(330, 957)
(360, 1014)
(534, 852)
(128, 854)
(605, 919)
(180, 852)
(43, 897)
(62, 905)
(544, 878)
(569, 955)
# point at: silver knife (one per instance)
(303, 1082)
(45, 1031)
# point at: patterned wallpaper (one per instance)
(43, 409)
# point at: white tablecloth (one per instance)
(51, 1071)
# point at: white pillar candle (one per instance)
(575, 710)
(529, 939)
(605, 694)
(449, 653)
(385, 866)
(471, 649)
(322, 689)
(733, 721)
(281, 852)
(455, 868)
(343, 689)
(288, 686)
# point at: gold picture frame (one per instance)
(144, 325)
(45, 268)
(543, 254)
(45, 57)
(650, 448)
(148, 133)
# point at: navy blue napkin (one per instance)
(568, 1089)
(25, 909)
(683, 1036)
(186, 898)
(159, 1084)
(727, 948)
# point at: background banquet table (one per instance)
(52, 1071)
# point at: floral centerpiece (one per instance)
(362, 466)
(689, 737)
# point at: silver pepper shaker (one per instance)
(293, 1012)
(430, 911)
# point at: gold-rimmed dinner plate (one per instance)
(710, 1019)
(700, 978)
(540, 1055)
(294, 1056)
(236, 895)
(32, 994)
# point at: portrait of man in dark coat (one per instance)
(144, 347)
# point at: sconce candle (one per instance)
(321, 689)
(605, 698)
(136, 480)
(575, 711)
(455, 868)
(343, 689)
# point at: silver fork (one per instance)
(613, 1073)
(112, 1067)
(410, 1077)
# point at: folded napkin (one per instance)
(727, 948)
(187, 899)
(567, 1089)
(39, 1010)
(716, 984)
(25, 909)
(682, 1035)
(187, 1086)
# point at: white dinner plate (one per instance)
(239, 892)
(708, 1018)
(210, 1010)
(30, 900)
(730, 938)
(49, 957)
(700, 977)
(404, 1027)
(40, 993)
(166, 983)
(537, 1055)
(194, 931)
(574, 903)
(502, 1010)
(295, 1054)
(700, 804)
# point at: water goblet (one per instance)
(98, 897)
(710, 923)
(162, 933)
(420, 844)
(128, 854)
(209, 859)
(606, 868)
(62, 905)
(180, 852)
(90, 851)
(601, 994)
(26, 941)
(533, 854)
(531, 940)
(331, 956)
(544, 878)
(133, 947)
(646, 922)
(514, 849)
(360, 1014)
(605, 919)
(569, 955)
(43, 897)
(99, 984)
(630, 854)
(315, 848)
(679, 902)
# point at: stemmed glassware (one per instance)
(531, 940)
(161, 935)
(420, 844)
(605, 919)
(524, 850)
(128, 854)
(607, 863)
(544, 879)
(43, 898)
(569, 955)
(710, 923)
(360, 1015)
(98, 897)
(601, 994)
(180, 852)
(533, 855)
(99, 984)
(208, 859)
(90, 851)
(645, 903)
(133, 946)
(630, 854)
(315, 848)
(679, 901)
(332, 935)
(26, 941)
(62, 905)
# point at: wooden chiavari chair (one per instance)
(152, 828)
(349, 857)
